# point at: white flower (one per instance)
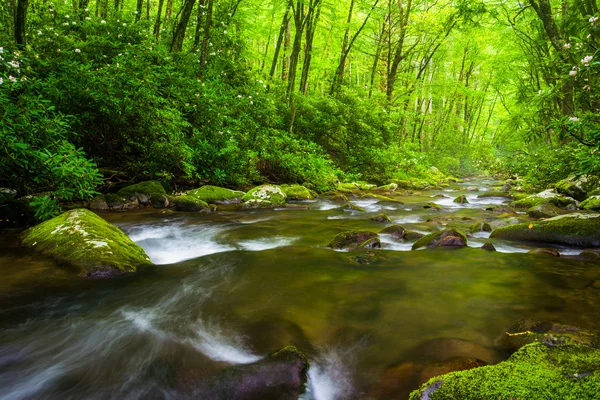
(73, 23)
(574, 119)
(587, 87)
(593, 20)
(67, 16)
(77, 51)
(12, 78)
(87, 18)
(586, 60)
(39, 32)
(566, 46)
(573, 73)
(23, 78)
(225, 31)
(65, 24)
(103, 22)
(87, 9)
(1, 81)
(1, 50)
(14, 64)
(124, 24)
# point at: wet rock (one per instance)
(382, 218)
(144, 199)
(451, 365)
(577, 187)
(489, 247)
(462, 199)
(472, 189)
(352, 239)
(380, 198)
(148, 187)
(217, 195)
(432, 206)
(549, 252)
(367, 258)
(392, 187)
(507, 187)
(297, 193)
(547, 196)
(270, 334)
(495, 193)
(115, 201)
(443, 349)
(504, 210)
(373, 243)
(582, 230)
(449, 237)
(397, 231)
(265, 196)
(352, 207)
(85, 241)
(279, 376)
(160, 200)
(481, 227)
(591, 203)
(188, 203)
(98, 204)
(545, 210)
(589, 255)
(340, 197)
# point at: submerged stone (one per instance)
(352, 239)
(432, 206)
(352, 207)
(449, 237)
(372, 243)
(217, 195)
(397, 231)
(462, 199)
(481, 227)
(488, 246)
(265, 196)
(549, 252)
(382, 218)
(85, 241)
(582, 230)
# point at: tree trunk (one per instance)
(169, 10)
(282, 32)
(312, 22)
(138, 10)
(158, 22)
(285, 62)
(21, 23)
(199, 19)
(206, 37)
(376, 60)
(148, 10)
(181, 26)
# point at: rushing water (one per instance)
(231, 287)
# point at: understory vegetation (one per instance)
(241, 92)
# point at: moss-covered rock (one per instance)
(391, 187)
(382, 218)
(297, 193)
(115, 201)
(340, 197)
(351, 239)
(147, 187)
(495, 193)
(462, 199)
(352, 207)
(534, 372)
(265, 196)
(545, 210)
(591, 203)
(85, 241)
(397, 231)
(576, 229)
(162, 200)
(577, 187)
(481, 227)
(488, 246)
(98, 204)
(448, 237)
(433, 206)
(217, 195)
(191, 204)
(373, 243)
(547, 196)
(380, 198)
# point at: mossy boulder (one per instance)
(577, 187)
(397, 231)
(495, 193)
(352, 207)
(446, 238)
(488, 246)
(544, 210)
(391, 187)
(297, 193)
(340, 197)
(433, 206)
(191, 204)
(217, 195)
(591, 203)
(352, 239)
(462, 199)
(577, 229)
(534, 372)
(158, 200)
(85, 241)
(382, 218)
(147, 187)
(481, 227)
(265, 196)
(98, 204)
(547, 196)
(380, 198)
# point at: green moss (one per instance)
(436, 238)
(191, 204)
(161, 200)
(297, 192)
(397, 231)
(391, 187)
(381, 218)
(266, 193)
(256, 203)
(340, 197)
(535, 372)
(114, 200)
(591, 203)
(545, 210)
(432, 205)
(148, 187)
(481, 227)
(495, 194)
(462, 199)
(346, 187)
(216, 194)
(581, 230)
(545, 197)
(84, 240)
(380, 198)
(351, 239)
(373, 243)
(352, 207)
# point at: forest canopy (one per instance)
(240, 92)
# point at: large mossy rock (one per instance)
(147, 188)
(591, 203)
(397, 231)
(582, 230)
(577, 187)
(264, 196)
(495, 193)
(534, 372)
(354, 239)
(281, 375)
(297, 193)
(544, 210)
(547, 196)
(191, 204)
(85, 241)
(446, 238)
(462, 199)
(217, 195)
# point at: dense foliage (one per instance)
(241, 92)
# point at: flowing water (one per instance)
(231, 287)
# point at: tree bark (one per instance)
(282, 32)
(206, 37)
(158, 21)
(181, 26)
(21, 23)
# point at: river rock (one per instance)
(392, 187)
(217, 195)
(481, 227)
(397, 231)
(98, 204)
(462, 199)
(544, 210)
(494, 193)
(161, 200)
(352, 239)
(488, 246)
(449, 237)
(591, 203)
(382, 218)
(85, 241)
(352, 207)
(297, 193)
(547, 196)
(432, 206)
(549, 252)
(340, 197)
(446, 348)
(191, 204)
(148, 188)
(582, 230)
(577, 187)
(281, 375)
(265, 196)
